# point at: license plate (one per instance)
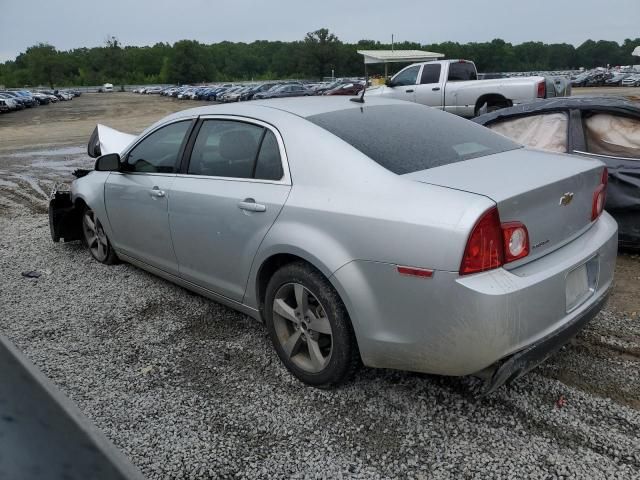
(577, 287)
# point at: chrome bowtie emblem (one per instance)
(566, 199)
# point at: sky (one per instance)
(68, 24)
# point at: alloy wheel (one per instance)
(302, 327)
(95, 236)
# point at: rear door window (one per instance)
(233, 149)
(543, 132)
(613, 135)
(430, 73)
(269, 163)
(225, 148)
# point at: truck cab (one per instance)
(453, 86)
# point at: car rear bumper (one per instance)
(453, 325)
(513, 367)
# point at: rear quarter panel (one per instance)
(343, 207)
(461, 97)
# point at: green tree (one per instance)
(186, 63)
(321, 52)
(113, 61)
(42, 64)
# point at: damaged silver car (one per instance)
(383, 232)
(605, 128)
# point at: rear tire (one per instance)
(309, 326)
(95, 238)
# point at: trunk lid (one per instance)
(552, 194)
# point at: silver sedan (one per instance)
(385, 233)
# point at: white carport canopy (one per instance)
(398, 56)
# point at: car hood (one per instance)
(105, 140)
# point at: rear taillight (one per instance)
(600, 196)
(484, 248)
(541, 89)
(492, 244)
(516, 241)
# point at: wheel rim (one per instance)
(95, 236)
(302, 327)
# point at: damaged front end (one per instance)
(64, 217)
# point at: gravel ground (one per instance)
(188, 388)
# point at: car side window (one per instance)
(269, 163)
(407, 77)
(158, 152)
(612, 135)
(548, 131)
(225, 148)
(461, 71)
(430, 74)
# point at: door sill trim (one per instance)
(216, 297)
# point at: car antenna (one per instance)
(360, 99)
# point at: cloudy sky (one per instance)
(87, 23)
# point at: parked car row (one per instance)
(12, 100)
(601, 78)
(229, 92)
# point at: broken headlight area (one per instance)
(64, 217)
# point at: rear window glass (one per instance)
(409, 138)
(461, 71)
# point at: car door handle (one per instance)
(250, 205)
(409, 91)
(435, 89)
(156, 192)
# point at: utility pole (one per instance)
(392, 42)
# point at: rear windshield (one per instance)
(409, 138)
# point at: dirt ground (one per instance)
(71, 123)
(598, 372)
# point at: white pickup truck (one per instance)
(453, 86)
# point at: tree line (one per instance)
(314, 57)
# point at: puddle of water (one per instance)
(54, 152)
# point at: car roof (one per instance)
(592, 103)
(299, 106)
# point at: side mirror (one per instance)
(108, 163)
(389, 83)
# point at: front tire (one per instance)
(95, 238)
(309, 326)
